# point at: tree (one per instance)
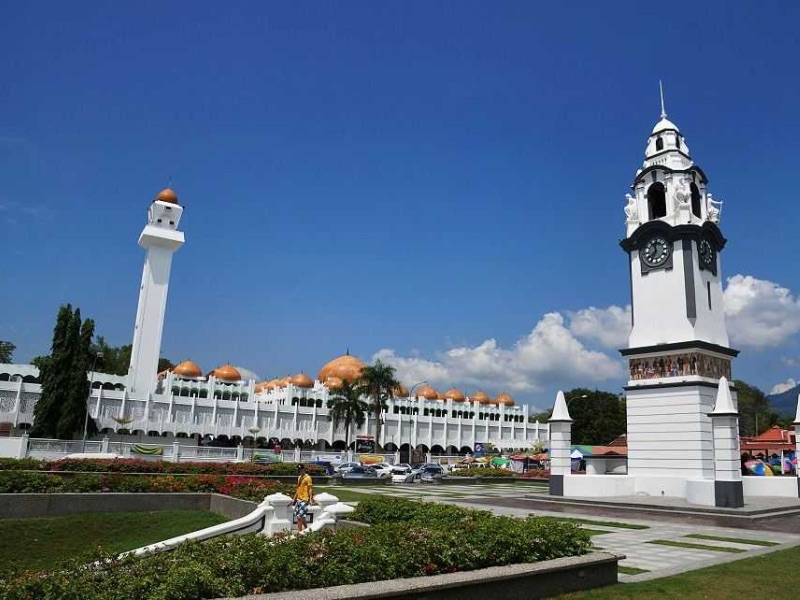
(61, 409)
(347, 407)
(598, 417)
(378, 382)
(755, 413)
(117, 360)
(6, 351)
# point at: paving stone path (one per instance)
(656, 560)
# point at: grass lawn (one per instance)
(701, 536)
(616, 524)
(346, 495)
(36, 544)
(768, 576)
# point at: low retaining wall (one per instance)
(32, 506)
(513, 582)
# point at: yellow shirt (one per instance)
(303, 492)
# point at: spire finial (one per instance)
(661, 90)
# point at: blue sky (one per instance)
(437, 183)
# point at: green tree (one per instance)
(755, 413)
(54, 375)
(117, 359)
(347, 407)
(377, 383)
(6, 351)
(598, 417)
(73, 412)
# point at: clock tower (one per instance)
(678, 346)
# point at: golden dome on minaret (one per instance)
(167, 195)
(346, 367)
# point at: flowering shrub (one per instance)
(246, 488)
(536, 474)
(482, 472)
(137, 465)
(253, 564)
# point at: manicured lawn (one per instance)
(36, 544)
(616, 524)
(675, 544)
(768, 576)
(701, 536)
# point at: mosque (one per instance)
(228, 405)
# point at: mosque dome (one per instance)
(167, 195)
(504, 399)
(302, 380)
(272, 384)
(260, 387)
(428, 393)
(455, 395)
(400, 391)
(481, 396)
(346, 367)
(333, 383)
(227, 373)
(187, 369)
(440, 396)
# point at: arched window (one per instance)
(656, 201)
(696, 200)
(659, 143)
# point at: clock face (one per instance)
(656, 252)
(706, 253)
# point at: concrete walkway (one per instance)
(654, 559)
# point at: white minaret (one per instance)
(678, 346)
(560, 445)
(161, 238)
(728, 487)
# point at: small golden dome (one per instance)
(428, 393)
(260, 387)
(400, 391)
(347, 368)
(226, 373)
(272, 384)
(455, 395)
(481, 396)
(333, 383)
(302, 380)
(504, 399)
(167, 195)
(187, 369)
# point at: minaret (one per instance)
(161, 238)
(678, 346)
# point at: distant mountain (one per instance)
(785, 403)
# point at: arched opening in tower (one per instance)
(657, 201)
(695, 200)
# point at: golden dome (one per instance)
(167, 195)
(481, 396)
(302, 380)
(272, 384)
(226, 373)
(455, 395)
(333, 383)
(260, 387)
(187, 369)
(428, 393)
(505, 399)
(400, 391)
(347, 368)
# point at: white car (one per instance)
(384, 470)
(346, 466)
(401, 474)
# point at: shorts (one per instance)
(300, 509)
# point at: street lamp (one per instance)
(97, 356)
(413, 419)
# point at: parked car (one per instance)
(384, 470)
(359, 472)
(429, 473)
(346, 466)
(401, 474)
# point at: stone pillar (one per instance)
(560, 442)
(104, 445)
(728, 487)
(176, 451)
(23, 446)
(239, 453)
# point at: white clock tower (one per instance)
(161, 238)
(678, 347)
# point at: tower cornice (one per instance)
(692, 169)
(641, 235)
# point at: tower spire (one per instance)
(661, 91)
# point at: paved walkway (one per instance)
(654, 559)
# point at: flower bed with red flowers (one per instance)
(536, 474)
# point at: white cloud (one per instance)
(550, 353)
(760, 313)
(779, 388)
(610, 327)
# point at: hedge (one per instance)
(479, 472)
(253, 564)
(137, 465)
(246, 488)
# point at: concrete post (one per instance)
(728, 487)
(560, 442)
(239, 453)
(22, 452)
(104, 445)
(176, 451)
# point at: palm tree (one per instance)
(348, 407)
(378, 383)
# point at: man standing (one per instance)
(303, 497)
